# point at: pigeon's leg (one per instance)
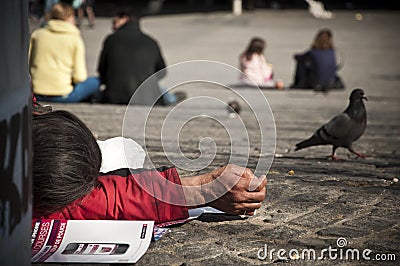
(334, 158)
(362, 156)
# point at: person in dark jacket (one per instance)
(127, 59)
(67, 183)
(316, 69)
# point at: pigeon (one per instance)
(343, 129)
(233, 108)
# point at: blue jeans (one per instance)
(168, 98)
(82, 91)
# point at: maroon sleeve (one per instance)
(139, 194)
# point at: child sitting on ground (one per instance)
(254, 66)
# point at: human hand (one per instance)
(240, 198)
(231, 189)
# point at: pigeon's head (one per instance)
(234, 106)
(357, 95)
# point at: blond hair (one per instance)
(60, 11)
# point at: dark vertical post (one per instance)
(15, 135)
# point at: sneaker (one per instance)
(38, 109)
(180, 96)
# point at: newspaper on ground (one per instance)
(96, 241)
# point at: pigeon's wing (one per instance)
(335, 131)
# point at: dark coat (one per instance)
(128, 58)
(325, 65)
(316, 69)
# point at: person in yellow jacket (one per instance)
(57, 60)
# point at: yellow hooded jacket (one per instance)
(56, 58)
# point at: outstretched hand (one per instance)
(231, 189)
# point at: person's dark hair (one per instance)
(323, 40)
(126, 11)
(66, 160)
(256, 45)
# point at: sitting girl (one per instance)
(254, 66)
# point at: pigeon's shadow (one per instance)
(324, 158)
(339, 167)
(248, 86)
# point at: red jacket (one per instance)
(121, 196)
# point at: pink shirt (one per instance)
(256, 70)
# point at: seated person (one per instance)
(57, 59)
(67, 183)
(254, 66)
(128, 58)
(316, 68)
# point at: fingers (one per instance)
(245, 208)
(249, 207)
(252, 197)
(250, 213)
(246, 191)
(239, 171)
(259, 182)
(244, 194)
(255, 183)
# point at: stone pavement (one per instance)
(324, 200)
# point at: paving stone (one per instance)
(161, 258)
(315, 243)
(359, 198)
(189, 234)
(371, 223)
(331, 214)
(224, 260)
(342, 231)
(389, 213)
(236, 229)
(281, 232)
(389, 246)
(195, 252)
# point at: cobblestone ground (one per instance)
(324, 200)
(355, 199)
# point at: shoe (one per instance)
(38, 109)
(180, 96)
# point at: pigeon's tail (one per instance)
(313, 141)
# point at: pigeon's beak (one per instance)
(365, 98)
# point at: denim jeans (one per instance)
(168, 97)
(82, 91)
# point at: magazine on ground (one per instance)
(90, 240)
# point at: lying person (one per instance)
(67, 183)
